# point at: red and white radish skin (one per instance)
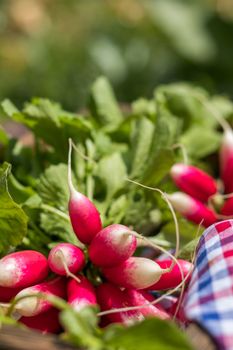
(80, 294)
(23, 269)
(46, 322)
(139, 298)
(173, 278)
(111, 297)
(112, 245)
(193, 181)
(33, 306)
(135, 273)
(192, 209)
(226, 160)
(68, 254)
(84, 216)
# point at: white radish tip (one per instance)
(178, 169)
(27, 306)
(9, 273)
(228, 137)
(181, 202)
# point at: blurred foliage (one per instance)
(57, 48)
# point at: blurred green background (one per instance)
(56, 48)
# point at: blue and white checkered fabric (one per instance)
(209, 298)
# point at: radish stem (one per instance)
(55, 211)
(183, 150)
(70, 183)
(61, 256)
(164, 196)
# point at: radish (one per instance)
(178, 313)
(46, 322)
(65, 258)
(135, 273)
(144, 298)
(173, 278)
(226, 160)
(227, 208)
(6, 293)
(193, 181)
(112, 245)
(80, 294)
(33, 306)
(84, 216)
(110, 297)
(22, 269)
(192, 209)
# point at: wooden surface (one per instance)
(199, 339)
(14, 338)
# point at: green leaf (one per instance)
(3, 137)
(13, 220)
(223, 105)
(54, 192)
(167, 130)
(190, 37)
(188, 250)
(144, 107)
(200, 142)
(103, 103)
(151, 334)
(82, 327)
(50, 123)
(141, 144)
(187, 230)
(19, 192)
(53, 187)
(57, 225)
(163, 162)
(112, 172)
(9, 108)
(117, 210)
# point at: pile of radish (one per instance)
(203, 198)
(123, 286)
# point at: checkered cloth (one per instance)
(209, 298)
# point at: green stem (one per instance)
(55, 211)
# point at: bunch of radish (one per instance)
(203, 199)
(122, 287)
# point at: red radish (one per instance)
(193, 181)
(173, 278)
(135, 273)
(192, 209)
(227, 208)
(111, 297)
(46, 322)
(226, 160)
(84, 216)
(112, 245)
(33, 306)
(6, 293)
(138, 298)
(179, 314)
(22, 269)
(66, 256)
(80, 294)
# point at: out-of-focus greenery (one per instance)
(55, 48)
